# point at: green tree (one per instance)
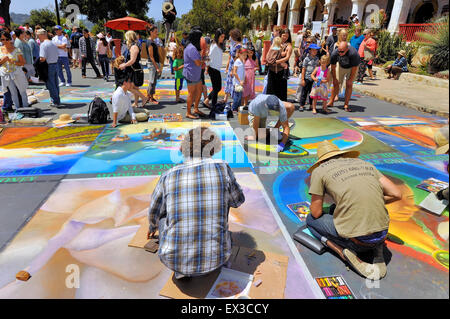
(4, 11)
(46, 18)
(100, 10)
(212, 14)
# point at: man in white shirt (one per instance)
(63, 59)
(121, 104)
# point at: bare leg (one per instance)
(348, 94)
(314, 105)
(334, 93)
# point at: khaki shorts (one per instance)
(341, 73)
(262, 120)
(76, 54)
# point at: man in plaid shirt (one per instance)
(87, 50)
(190, 207)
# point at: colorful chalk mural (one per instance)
(307, 133)
(43, 150)
(85, 227)
(412, 135)
(153, 143)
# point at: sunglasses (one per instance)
(339, 51)
(3, 39)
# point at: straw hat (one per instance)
(167, 6)
(402, 53)
(441, 139)
(64, 119)
(100, 35)
(326, 150)
(260, 34)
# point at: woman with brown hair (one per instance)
(132, 65)
(277, 81)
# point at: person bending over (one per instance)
(360, 221)
(258, 111)
(190, 207)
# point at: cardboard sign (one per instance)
(269, 276)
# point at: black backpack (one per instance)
(98, 112)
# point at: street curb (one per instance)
(398, 101)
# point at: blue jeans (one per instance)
(323, 228)
(7, 100)
(104, 63)
(237, 98)
(52, 83)
(63, 61)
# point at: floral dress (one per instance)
(320, 90)
(229, 86)
(249, 87)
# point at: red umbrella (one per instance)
(127, 23)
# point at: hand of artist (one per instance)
(303, 83)
(280, 147)
(113, 125)
(122, 66)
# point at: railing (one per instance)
(409, 30)
(297, 27)
(339, 26)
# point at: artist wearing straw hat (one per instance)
(169, 14)
(399, 66)
(441, 139)
(360, 220)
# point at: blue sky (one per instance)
(21, 6)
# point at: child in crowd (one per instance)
(118, 73)
(251, 65)
(321, 77)
(239, 77)
(308, 66)
(178, 65)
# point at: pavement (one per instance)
(417, 95)
(24, 214)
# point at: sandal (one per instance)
(181, 101)
(347, 109)
(153, 102)
(192, 117)
(326, 111)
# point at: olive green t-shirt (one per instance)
(354, 186)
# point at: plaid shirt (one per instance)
(82, 45)
(195, 198)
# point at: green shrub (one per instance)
(437, 44)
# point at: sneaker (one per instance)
(69, 84)
(62, 84)
(301, 109)
(358, 83)
(366, 270)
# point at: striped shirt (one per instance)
(195, 198)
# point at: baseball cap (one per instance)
(58, 27)
(314, 46)
(272, 101)
(333, 28)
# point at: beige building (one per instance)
(299, 12)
